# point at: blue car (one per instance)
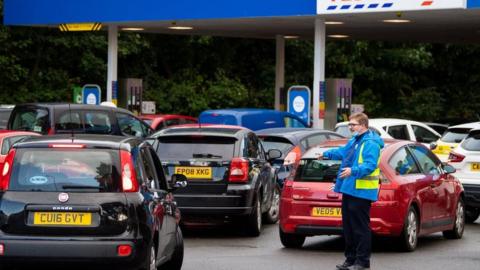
(254, 119)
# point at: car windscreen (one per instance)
(31, 119)
(274, 142)
(54, 169)
(195, 146)
(455, 135)
(472, 141)
(4, 115)
(314, 170)
(148, 121)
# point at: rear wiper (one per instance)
(81, 187)
(206, 155)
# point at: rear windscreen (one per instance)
(313, 170)
(472, 142)
(31, 119)
(271, 142)
(193, 146)
(455, 135)
(46, 169)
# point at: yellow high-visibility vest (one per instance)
(370, 181)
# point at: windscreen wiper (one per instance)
(206, 155)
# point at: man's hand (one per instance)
(346, 172)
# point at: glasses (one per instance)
(353, 124)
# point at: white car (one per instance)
(451, 138)
(465, 158)
(401, 129)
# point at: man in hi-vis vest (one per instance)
(358, 181)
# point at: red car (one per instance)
(8, 138)
(418, 196)
(161, 121)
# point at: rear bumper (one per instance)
(72, 250)
(236, 201)
(472, 195)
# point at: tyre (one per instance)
(271, 216)
(176, 261)
(254, 220)
(150, 258)
(409, 238)
(290, 240)
(471, 214)
(459, 227)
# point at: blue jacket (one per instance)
(349, 156)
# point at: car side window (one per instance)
(334, 137)
(252, 149)
(130, 126)
(10, 141)
(314, 140)
(68, 121)
(403, 162)
(97, 122)
(149, 168)
(424, 135)
(428, 162)
(399, 132)
(162, 182)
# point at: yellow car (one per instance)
(451, 138)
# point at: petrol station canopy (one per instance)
(451, 21)
(429, 20)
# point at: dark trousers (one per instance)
(356, 230)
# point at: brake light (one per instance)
(239, 170)
(7, 170)
(129, 177)
(50, 131)
(66, 145)
(124, 250)
(293, 157)
(2, 249)
(455, 157)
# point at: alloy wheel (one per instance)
(460, 216)
(274, 209)
(412, 229)
(259, 216)
(153, 259)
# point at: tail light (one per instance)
(129, 177)
(455, 157)
(50, 131)
(7, 170)
(124, 250)
(293, 156)
(238, 170)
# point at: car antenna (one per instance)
(71, 122)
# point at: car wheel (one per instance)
(176, 261)
(271, 217)
(471, 214)
(459, 227)
(150, 258)
(409, 237)
(290, 240)
(254, 221)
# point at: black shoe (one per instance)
(344, 266)
(359, 267)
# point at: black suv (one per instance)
(88, 198)
(228, 172)
(57, 118)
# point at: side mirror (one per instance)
(274, 154)
(448, 168)
(433, 145)
(178, 181)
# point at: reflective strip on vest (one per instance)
(370, 181)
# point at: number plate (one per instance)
(326, 212)
(195, 172)
(62, 218)
(475, 167)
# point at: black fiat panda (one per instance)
(88, 198)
